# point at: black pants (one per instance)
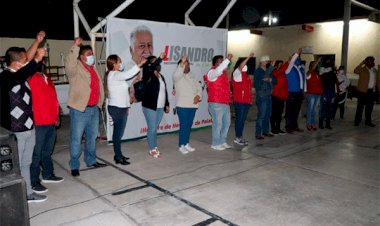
(367, 100)
(292, 109)
(277, 109)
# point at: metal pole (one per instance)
(346, 33)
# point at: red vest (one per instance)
(280, 89)
(314, 84)
(219, 90)
(44, 100)
(242, 91)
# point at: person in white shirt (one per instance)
(219, 98)
(340, 99)
(116, 90)
(188, 96)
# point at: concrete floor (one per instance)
(326, 177)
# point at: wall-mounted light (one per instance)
(270, 19)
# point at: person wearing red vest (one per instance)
(313, 94)
(45, 107)
(242, 97)
(219, 97)
(279, 96)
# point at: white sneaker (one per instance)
(218, 147)
(225, 145)
(183, 149)
(189, 148)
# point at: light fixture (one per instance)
(270, 19)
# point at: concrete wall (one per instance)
(57, 47)
(281, 42)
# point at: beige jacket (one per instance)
(79, 82)
(363, 72)
(187, 87)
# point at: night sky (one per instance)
(56, 16)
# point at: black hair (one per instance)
(83, 49)
(13, 54)
(216, 58)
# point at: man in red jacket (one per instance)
(46, 117)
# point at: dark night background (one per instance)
(23, 19)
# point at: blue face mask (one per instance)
(90, 60)
(121, 67)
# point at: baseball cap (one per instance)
(264, 58)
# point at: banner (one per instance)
(200, 44)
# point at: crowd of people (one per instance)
(30, 108)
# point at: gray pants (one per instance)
(25, 143)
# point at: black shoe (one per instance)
(75, 172)
(328, 127)
(39, 188)
(98, 165)
(122, 161)
(126, 158)
(370, 124)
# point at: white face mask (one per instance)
(245, 68)
(90, 60)
(121, 67)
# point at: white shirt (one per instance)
(162, 94)
(371, 82)
(237, 75)
(213, 74)
(117, 86)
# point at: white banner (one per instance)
(200, 44)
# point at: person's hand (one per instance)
(78, 41)
(40, 54)
(40, 36)
(162, 55)
(57, 122)
(251, 54)
(174, 92)
(229, 56)
(167, 109)
(196, 99)
(299, 51)
(142, 62)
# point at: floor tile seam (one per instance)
(166, 192)
(327, 174)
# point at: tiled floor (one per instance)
(325, 177)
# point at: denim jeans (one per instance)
(153, 119)
(25, 145)
(312, 103)
(45, 140)
(241, 112)
(119, 117)
(86, 122)
(221, 120)
(186, 118)
(264, 110)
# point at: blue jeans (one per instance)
(186, 117)
(264, 110)
(221, 120)
(25, 144)
(119, 117)
(241, 112)
(153, 119)
(312, 103)
(83, 122)
(45, 140)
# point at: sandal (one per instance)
(154, 153)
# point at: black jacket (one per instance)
(152, 86)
